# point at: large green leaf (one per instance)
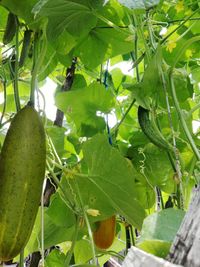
(21, 8)
(184, 89)
(106, 42)
(83, 251)
(53, 233)
(55, 259)
(49, 63)
(3, 19)
(59, 213)
(82, 106)
(57, 135)
(162, 225)
(63, 43)
(67, 15)
(159, 230)
(157, 168)
(114, 177)
(151, 86)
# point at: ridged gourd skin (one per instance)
(22, 171)
(152, 133)
(104, 234)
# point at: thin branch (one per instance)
(66, 87)
(182, 23)
(124, 116)
(153, 23)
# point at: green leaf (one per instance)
(3, 19)
(55, 259)
(146, 194)
(57, 135)
(63, 43)
(82, 106)
(67, 15)
(113, 175)
(53, 234)
(156, 247)
(59, 213)
(106, 43)
(159, 230)
(140, 93)
(82, 251)
(162, 225)
(196, 75)
(49, 63)
(158, 169)
(139, 4)
(21, 8)
(182, 84)
(78, 82)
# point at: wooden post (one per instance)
(185, 249)
(140, 258)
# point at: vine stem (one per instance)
(87, 223)
(150, 30)
(5, 101)
(182, 23)
(42, 229)
(16, 74)
(138, 22)
(193, 109)
(153, 22)
(176, 103)
(111, 24)
(182, 120)
(70, 252)
(177, 158)
(124, 116)
(37, 62)
(182, 50)
(62, 189)
(21, 258)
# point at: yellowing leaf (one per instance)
(170, 46)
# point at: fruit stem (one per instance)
(21, 260)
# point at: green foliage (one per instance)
(55, 258)
(69, 16)
(111, 178)
(83, 105)
(107, 58)
(159, 230)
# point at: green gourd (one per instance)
(151, 130)
(10, 30)
(22, 171)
